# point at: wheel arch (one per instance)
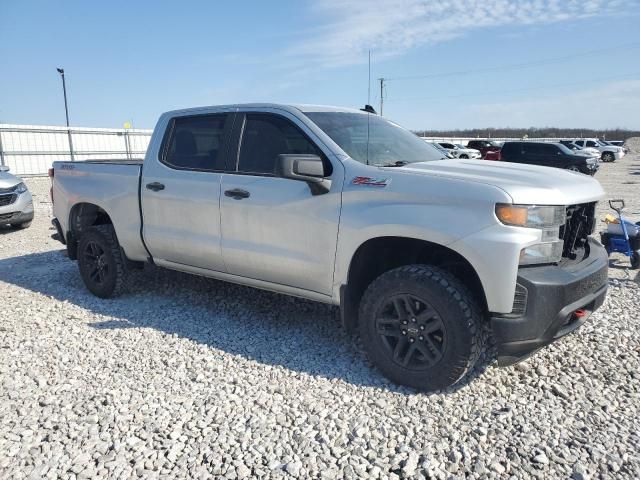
(380, 254)
(82, 216)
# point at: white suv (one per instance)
(609, 153)
(459, 151)
(16, 205)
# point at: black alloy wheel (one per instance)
(96, 262)
(412, 331)
(101, 262)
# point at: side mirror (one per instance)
(306, 168)
(4, 168)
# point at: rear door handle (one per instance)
(237, 193)
(155, 186)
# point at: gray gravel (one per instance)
(188, 377)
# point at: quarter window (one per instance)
(197, 143)
(267, 136)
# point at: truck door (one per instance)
(181, 191)
(276, 229)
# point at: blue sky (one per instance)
(130, 61)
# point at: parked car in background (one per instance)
(617, 143)
(493, 155)
(445, 153)
(345, 207)
(16, 205)
(584, 151)
(609, 153)
(548, 155)
(459, 151)
(484, 146)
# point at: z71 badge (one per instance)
(373, 182)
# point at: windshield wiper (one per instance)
(398, 163)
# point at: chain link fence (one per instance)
(31, 149)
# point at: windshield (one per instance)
(564, 148)
(372, 140)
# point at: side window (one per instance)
(550, 149)
(533, 148)
(591, 144)
(197, 143)
(267, 136)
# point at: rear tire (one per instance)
(635, 260)
(101, 262)
(421, 327)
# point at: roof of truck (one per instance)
(282, 106)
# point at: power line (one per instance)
(517, 66)
(517, 90)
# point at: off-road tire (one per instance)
(22, 225)
(608, 157)
(464, 342)
(114, 281)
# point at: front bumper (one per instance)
(18, 211)
(553, 296)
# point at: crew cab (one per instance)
(549, 155)
(423, 256)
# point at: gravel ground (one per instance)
(189, 377)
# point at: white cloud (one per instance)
(390, 27)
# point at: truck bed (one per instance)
(112, 184)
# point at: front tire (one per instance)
(421, 327)
(608, 157)
(464, 156)
(635, 260)
(101, 262)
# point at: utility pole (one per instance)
(66, 110)
(381, 94)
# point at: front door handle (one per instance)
(237, 193)
(155, 186)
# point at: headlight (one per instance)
(531, 216)
(20, 188)
(547, 218)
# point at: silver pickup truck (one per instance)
(424, 255)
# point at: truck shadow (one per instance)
(269, 328)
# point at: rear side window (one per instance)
(511, 150)
(265, 137)
(549, 149)
(197, 143)
(534, 148)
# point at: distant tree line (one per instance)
(547, 132)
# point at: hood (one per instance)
(525, 184)
(8, 180)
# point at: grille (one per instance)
(578, 226)
(7, 199)
(6, 216)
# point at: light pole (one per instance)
(66, 110)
